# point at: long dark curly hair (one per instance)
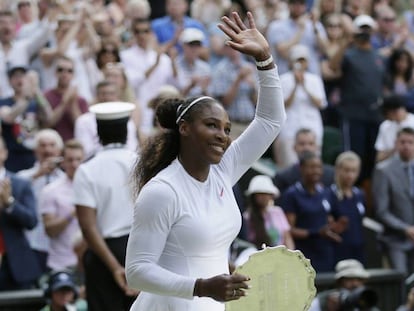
(162, 148)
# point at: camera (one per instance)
(361, 298)
(56, 160)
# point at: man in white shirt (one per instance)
(396, 117)
(147, 69)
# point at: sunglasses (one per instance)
(22, 4)
(140, 31)
(61, 69)
(194, 43)
(333, 25)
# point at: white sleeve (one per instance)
(317, 89)
(82, 189)
(380, 142)
(39, 38)
(262, 131)
(84, 134)
(154, 215)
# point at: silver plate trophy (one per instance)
(281, 279)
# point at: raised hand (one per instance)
(245, 39)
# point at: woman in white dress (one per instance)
(186, 215)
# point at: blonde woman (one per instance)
(349, 203)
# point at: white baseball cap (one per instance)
(191, 35)
(299, 51)
(364, 20)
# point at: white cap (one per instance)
(350, 268)
(364, 20)
(262, 184)
(299, 51)
(112, 110)
(191, 35)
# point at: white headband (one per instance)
(195, 101)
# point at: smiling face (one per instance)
(206, 133)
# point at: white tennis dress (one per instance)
(183, 228)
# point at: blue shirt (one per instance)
(354, 209)
(311, 211)
(165, 28)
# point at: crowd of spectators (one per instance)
(343, 64)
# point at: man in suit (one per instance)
(19, 268)
(305, 141)
(393, 192)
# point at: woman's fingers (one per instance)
(238, 287)
(231, 24)
(227, 30)
(235, 294)
(250, 18)
(239, 21)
